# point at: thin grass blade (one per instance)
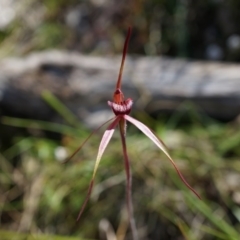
(38, 124)
(58, 106)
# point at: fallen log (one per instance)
(85, 83)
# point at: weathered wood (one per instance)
(85, 83)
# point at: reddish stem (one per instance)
(122, 127)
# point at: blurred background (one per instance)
(194, 29)
(40, 197)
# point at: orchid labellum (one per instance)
(122, 109)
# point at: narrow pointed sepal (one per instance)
(103, 144)
(86, 199)
(160, 145)
(89, 136)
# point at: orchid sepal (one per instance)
(103, 144)
(146, 130)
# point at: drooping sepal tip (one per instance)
(86, 199)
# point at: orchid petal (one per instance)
(80, 147)
(155, 139)
(103, 144)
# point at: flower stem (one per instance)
(122, 127)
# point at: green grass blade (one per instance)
(172, 217)
(60, 108)
(213, 218)
(42, 125)
(7, 235)
(18, 148)
(202, 207)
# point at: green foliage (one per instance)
(161, 27)
(6, 235)
(49, 35)
(36, 186)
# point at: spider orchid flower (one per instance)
(121, 109)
